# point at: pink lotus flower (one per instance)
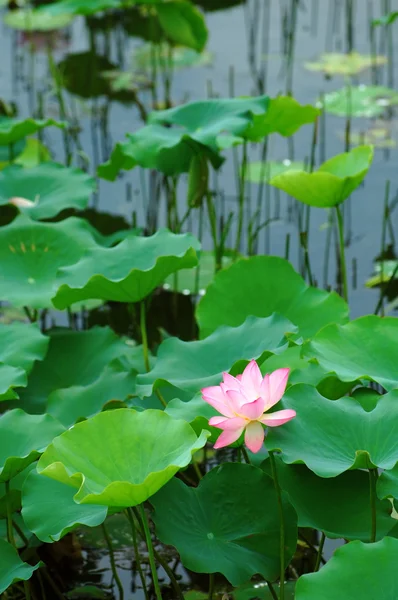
(244, 401)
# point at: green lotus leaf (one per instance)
(191, 366)
(384, 271)
(71, 404)
(50, 188)
(23, 438)
(32, 252)
(192, 281)
(76, 7)
(284, 116)
(337, 63)
(12, 568)
(258, 171)
(128, 272)
(261, 590)
(359, 101)
(338, 507)
(356, 570)
(143, 451)
(35, 20)
(50, 512)
(260, 286)
(332, 183)
(368, 346)
(180, 57)
(14, 130)
(28, 153)
(386, 19)
(225, 528)
(21, 344)
(195, 412)
(331, 437)
(73, 359)
(10, 378)
(387, 484)
(183, 24)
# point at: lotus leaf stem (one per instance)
(281, 525)
(26, 587)
(343, 266)
(10, 529)
(113, 562)
(144, 335)
(149, 544)
(242, 184)
(130, 516)
(211, 586)
(320, 550)
(272, 590)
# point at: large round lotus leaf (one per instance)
(360, 101)
(195, 412)
(332, 436)
(284, 116)
(192, 281)
(128, 272)
(337, 63)
(355, 571)
(71, 404)
(13, 130)
(261, 591)
(183, 24)
(258, 172)
(340, 507)
(387, 484)
(10, 378)
(365, 348)
(332, 183)
(32, 252)
(49, 186)
(50, 512)
(76, 358)
(12, 568)
(121, 457)
(222, 525)
(193, 365)
(262, 285)
(34, 20)
(23, 438)
(21, 344)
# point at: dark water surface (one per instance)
(257, 46)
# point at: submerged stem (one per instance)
(372, 497)
(112, 561)
(144, 335)
(343, 266)
(281, 525)
(152, 563)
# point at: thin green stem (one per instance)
(130, 516)
(272, 590)
(144, 335)
(10, 529)
(242, 184)
(152, 563)
(372, 497)
(245, 455)
(281, 525)
(320, 551)
(343, 267)
(26, 587)
(211, 587)
(112, 561)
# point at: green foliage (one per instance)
(14, 130)
(12, 568)
(183, 24)
(34, 20)
(225, 528)
(360, 101)
(336, 63)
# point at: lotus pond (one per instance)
(198, 285)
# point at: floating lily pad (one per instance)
(49, 187)
(14, 130)
(331, 437)
(384, 270)
(23, 438)
(261, 285)
(378, 136)
(191, 366)
(178, 56)
(126, 80)
(31, 253)
(12, 568)
(356, 570)
(360, 101)
(143, 451)
(327, 504)
(76, 7)
(36, 20)
(127, 273)
(225, 528)
(183, 24)
(199, 127)
(258, 171)
(332, 183)
(336, 63)
(50, 512)
(192, 281)
(71, 404)
(368, 346)
(73, 360)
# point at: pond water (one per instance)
(257, 46)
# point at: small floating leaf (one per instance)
(336, 63)
(360, 101)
